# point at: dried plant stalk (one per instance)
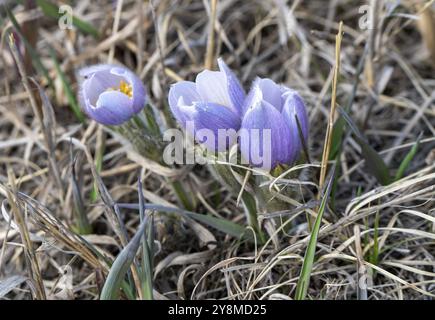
(331, 120)
(426, 24)
(30, 256)
(209, 57)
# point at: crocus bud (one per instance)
(111, 94)
(269, 132)
(212, 103)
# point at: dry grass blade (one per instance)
(331, 120)
(361, 269)
(209, 55)
(58, 230)
(8, 284)
(43, 113)
(49, 126)
(115, 28)
(114, 216)
(426, 24)
(30, 254)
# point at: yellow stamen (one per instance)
(125, 88)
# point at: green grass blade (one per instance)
(99, 154)
(82, 224)
(304, 277)
(375, 163)
(51, 10)
(68, 91)
(334, 187)
(181, 193)
(121, 266)
(225, 226)
(301, 137)
(337, 137)
(147, 249)
(407, 160)
(36, 61)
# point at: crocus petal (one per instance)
(212, 87)
(99, 82)
(254, 97)
(87, 71)
(101, 96)
(294, 106)
(112, 108)
(279, 150)
(235, 89)
(181, 94)
(271, 92)
(138, 92)
(214, 121)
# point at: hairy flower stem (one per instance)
(222, 172)
(143, 141)
(251, 214)
(144, 134)
(182, 195)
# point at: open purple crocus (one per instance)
(275, 108)
(111, 94)
(216, 101)
(212, 103)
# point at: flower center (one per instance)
(125, 88)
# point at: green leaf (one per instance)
(334, 187)
(304, 277)
(121, 265)
(373, 160)
(407, 160)
(301, 137)
(337, 137)
(52, 10)
(225, 226)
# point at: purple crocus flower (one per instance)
(212, 103)
(272, 109)
(111, 94)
